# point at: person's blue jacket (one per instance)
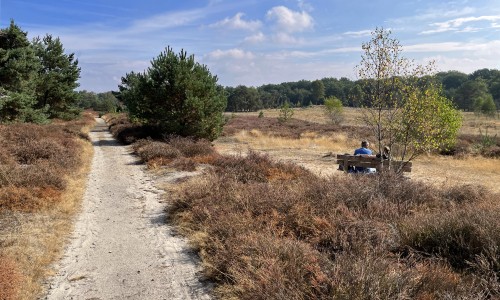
(361, 151)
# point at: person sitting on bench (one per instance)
(364, 151)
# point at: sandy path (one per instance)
(121, 247)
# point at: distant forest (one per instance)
(478, 91)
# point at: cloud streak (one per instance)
(456, 24)
(237, 23)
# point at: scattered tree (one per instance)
(286, 112)
(36, 79)
(318, 92)
(334, 110)
(404, 106)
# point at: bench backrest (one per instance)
(371, 162)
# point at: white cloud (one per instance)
(259, 37)
(290, 21)
(456, 24)
(285, 38)
(446, 13)
(305, 6)
(167, 20)
(237, 22)
(231, 53)
(361, 33)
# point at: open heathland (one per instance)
(272, 218)
(42, 176)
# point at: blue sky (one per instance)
(253, 42)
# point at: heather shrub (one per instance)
(272, 230)
(27, 199)
(190, 147)
(32, 176)
(465, 194)
(184, 164)
(153, 149)
(10, 278)
(466, 238)
(35, 161)
(256, 167)
(34, 144)
(266, 267)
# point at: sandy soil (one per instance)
(121, 247)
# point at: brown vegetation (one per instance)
(353, 237)
(10, 278)
(41, 183)
(274, 230)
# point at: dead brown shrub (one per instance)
(257, 167)
(154, 150)
(10, 278)
(189, 147)
(184, 164)
(270, 230)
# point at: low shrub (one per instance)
(34, 162)
(154, 150)
(189, 147)
(256, 167)
(459, 236)
(10, 278)
(348, 237)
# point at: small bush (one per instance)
(466, 238)
(189, 147)
(256, 167)
(154, 150)
(184, 164)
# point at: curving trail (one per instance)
(121, 247)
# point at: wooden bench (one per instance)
(345, 161)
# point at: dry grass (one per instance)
(315, 112)
(41, 191)
(473, 122)
(306, 144)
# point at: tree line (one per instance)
(478, 92)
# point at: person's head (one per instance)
(365, 144)
(387, 149)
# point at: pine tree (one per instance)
(57, 78)
(177, 95)
(18, 73)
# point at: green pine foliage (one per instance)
(57, 78)
(286, 112)
(177, 95)
(37, 79)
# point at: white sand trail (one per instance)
(121, 247)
